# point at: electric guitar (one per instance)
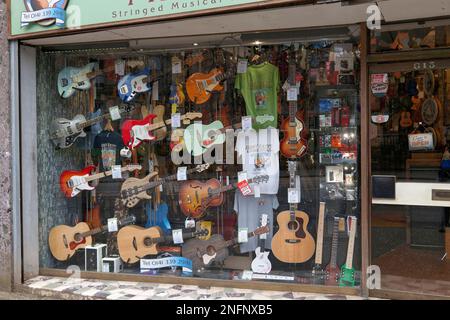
(64, 240)
(204, 253)
(347, 278)
(293, 243)
(64, 133)
(261, 263)
(332, 270)
(135, 132)
(134, 190)
(157, 217)
(196, 197)
(73, 182)
(318, 272)
(135, 242)
(134, 83)
(199, 138)
(200, 86)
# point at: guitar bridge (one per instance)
(293, 241)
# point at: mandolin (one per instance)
(204, 253)
(200, 86)
(195, 196)
(64, 240)
(134, 190)
(135, 242)
(293, 243)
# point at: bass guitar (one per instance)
(135, 242)
(318, 272)
(134, 83)
(204, 253)
(64, 133)
(200, 86)
(64, 240)
(135, 132)
(293, 243)
(134, 190)
(347, 278)
(196, 197)
(332, 270)
(73, 182)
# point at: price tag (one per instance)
(247, 275)
(245, 188)
(189, 223)
(112, 225)
(341, 225)
(176, 66)
(182, 174)
(114, 113)
(242, 66)
(292, 94)
(246, 123)
(116, 172)
(155, 91)
(257, 191)
(177, 236)
(160, 188)
(176, 120)
(243, 235)
(120, 67)
(293, 196)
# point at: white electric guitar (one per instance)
(261, 263)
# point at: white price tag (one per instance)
(155, 91)
(114, 113)
(120, 67)
(176, 120)
(182, 174)
(292, 94)
(257, 191)
(116, 172)
(293, 196)
(242, 176)
(160, 188)
(189, 223)
(246, 123)
(112, 225)
(247, 275)
(242, 66)
(177, 236)
(243, 235)
(176, 67)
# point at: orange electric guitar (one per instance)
(200, 86)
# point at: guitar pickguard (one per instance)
(300, 233)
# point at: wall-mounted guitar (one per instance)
(347, 278)
(134, 83)
(200, 86)
(261, 263)
(293, 243)
(293, 144)
(73, 182)
(195, 196)
(332, 270)
(135, 242)
(134, 190)
(204, 253)
(64, 240)
(65, 132)
(135, 132)
(318, 272)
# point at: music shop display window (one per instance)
(235, 163)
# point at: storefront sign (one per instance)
(421, 141)
(170, 262)
(36, 16)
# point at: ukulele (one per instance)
(63, 240)
(134, 190)
(135, 242)
(405, 119)
(293, 243)
(204, 253)
(196, 197)
(318, 272)
(332, 270)
(347, 278)
(73, 182)
(261, 264)
(200, 86)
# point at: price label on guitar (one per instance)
(114, 113)
(189, 223)
(292, 94)
(120, 67)
(242, 66)
(116, 172)
(176, 66)
(112, 225)
(243, 235)
(182, 174)
(244, 187)
(246, 123)
(177, 236)
(257, 191)
(293, 196)
(176, 120)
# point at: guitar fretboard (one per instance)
(351, 243)
(320, 226)
(334, 243)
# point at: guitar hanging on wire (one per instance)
(347, 278)
(134, 83)
(318, 272)
(200, 86)
(332, 270)
(261, 263)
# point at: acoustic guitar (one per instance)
(64, 240)
(200, 86)
(293, 243)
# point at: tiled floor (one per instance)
(114, 290)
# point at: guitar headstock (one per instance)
(259, 179)
(127, 108)
(135, 63)
(202, 233)
(202, 167)
(188, 117)
(195, 58)
(261, 230)
(292, 167)
(134, 167)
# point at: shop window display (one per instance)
(238, 163)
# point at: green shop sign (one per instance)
(36, 16)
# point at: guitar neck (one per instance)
(103, 174)
(222, 76)
(319, 241)
(159, 182)
(94, 231)
(351, 243)
(334, 243)
(186, 235)
(235, 241)
(292, 83)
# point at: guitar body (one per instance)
(65, 132)
(319, 275)
(131, 242)
(293, 145)
(158, 218)
(193, 194)
(204, 253)
(347, 278)
(134, 132)
(199, 138)
(261, 263)
(200, 85)
(131, 197)
(134, 83)
(93, 217)
(293, 243)
(72, 182)
(62, 243)
(159, 112)
(71, 79)
(333, 274)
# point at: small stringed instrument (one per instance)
(200, 86)
(347, 278)
(204, 253)
(134, 190)
(135, 242)
(64, 240)
(135, 132)
(293, 243)
(318, 272)
(332, 270)
(196, 197)
(73, 182)
(405, 119)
